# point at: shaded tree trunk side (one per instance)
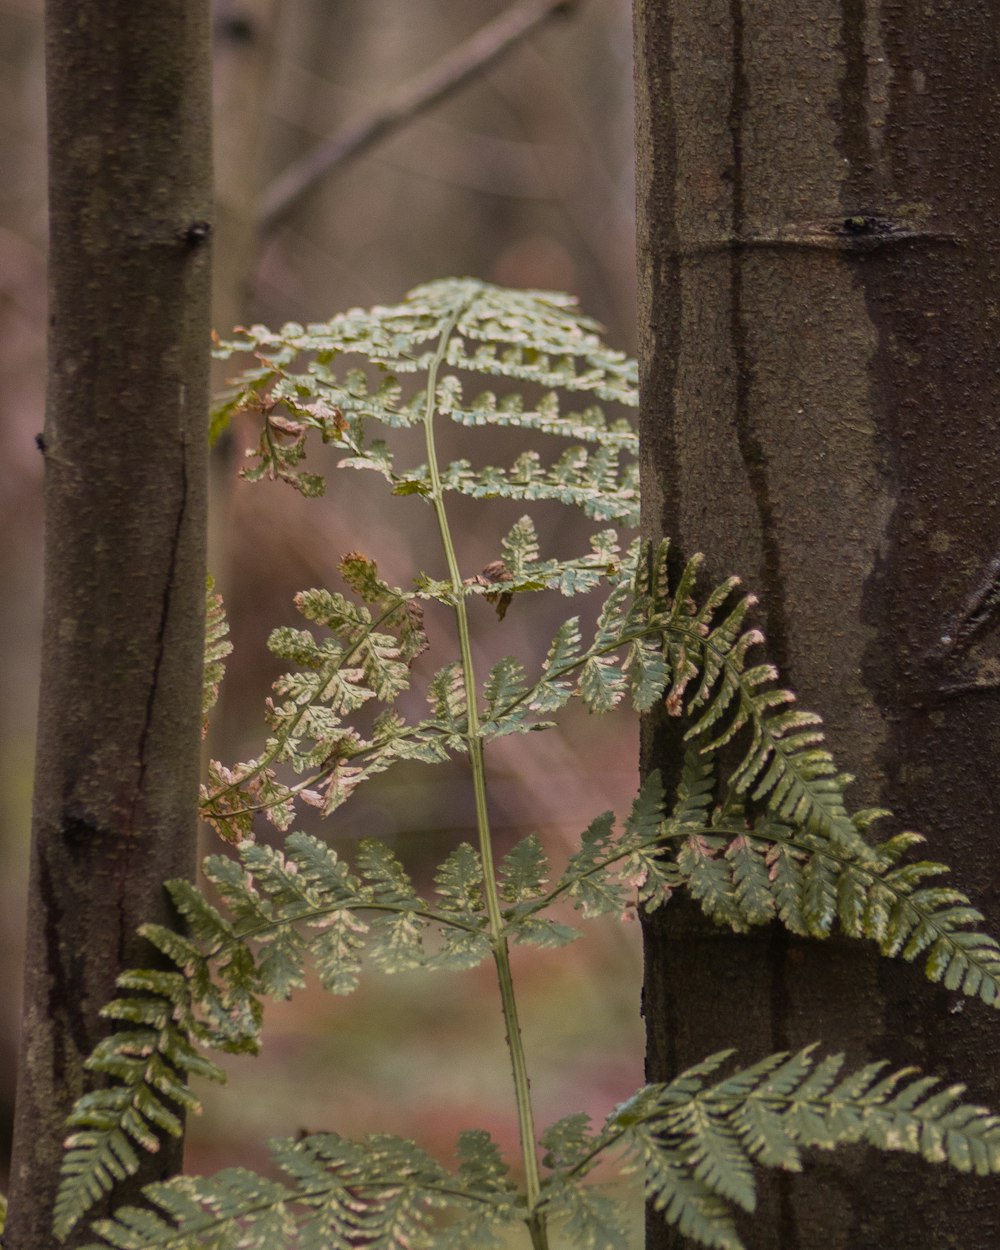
(124, 446)
(819, 256)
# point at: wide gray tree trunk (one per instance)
(124, 447)
(819, 252)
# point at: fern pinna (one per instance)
(766, 837)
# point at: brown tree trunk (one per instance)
(124, 447)
(819, 255)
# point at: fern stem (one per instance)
(498, 940)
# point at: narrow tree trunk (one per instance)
(819, 254)
(124, 447)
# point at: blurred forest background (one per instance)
(524, 177)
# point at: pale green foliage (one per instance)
(217, 647)
(694, 1143)
(381, 1192)
(767, 837)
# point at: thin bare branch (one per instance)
(428, 88)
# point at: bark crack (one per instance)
(175, 542)
(751, 449)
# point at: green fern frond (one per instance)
(524, 569)
(540, 341)
(696, 1143)
(506, 708)
(459, 883)
(592, 483)
(210, 999)
(367, 656)
(784, 763)
(149, 1058)
(446, 697)
(747, 873)
(382, 1192)
(282, 910)
(766, 837)
(589, 426)
(217, 647)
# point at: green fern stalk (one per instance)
(497, 928)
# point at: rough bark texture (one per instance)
(124, 447)
(819, 261)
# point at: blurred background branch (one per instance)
(452, 71)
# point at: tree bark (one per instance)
(124, 446)
(819, 256)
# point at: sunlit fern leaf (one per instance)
(524, 871)
(592, 484)
(378, 457)
(507, 710)
(460, 949)
(611, 621)
(458, 882)
(684, 1200)
(446, 696)
(225, 805)
(269, 896)
(648, 673)
(221, 1007)
(589, 425)
(364, 642)
(394, 609)
(362, 661)
(553, 691)
(380, 869)
(282, 909)
(645, 816)
(890, 905)
(395, 942)
(568, 1142)
(646, 865)
(403, 741)
(217, 647)
(482, 1167)
(520, 547)
(524, 570)
(341, 690)
(613, 868)
(602, 684)
(484, 1176)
